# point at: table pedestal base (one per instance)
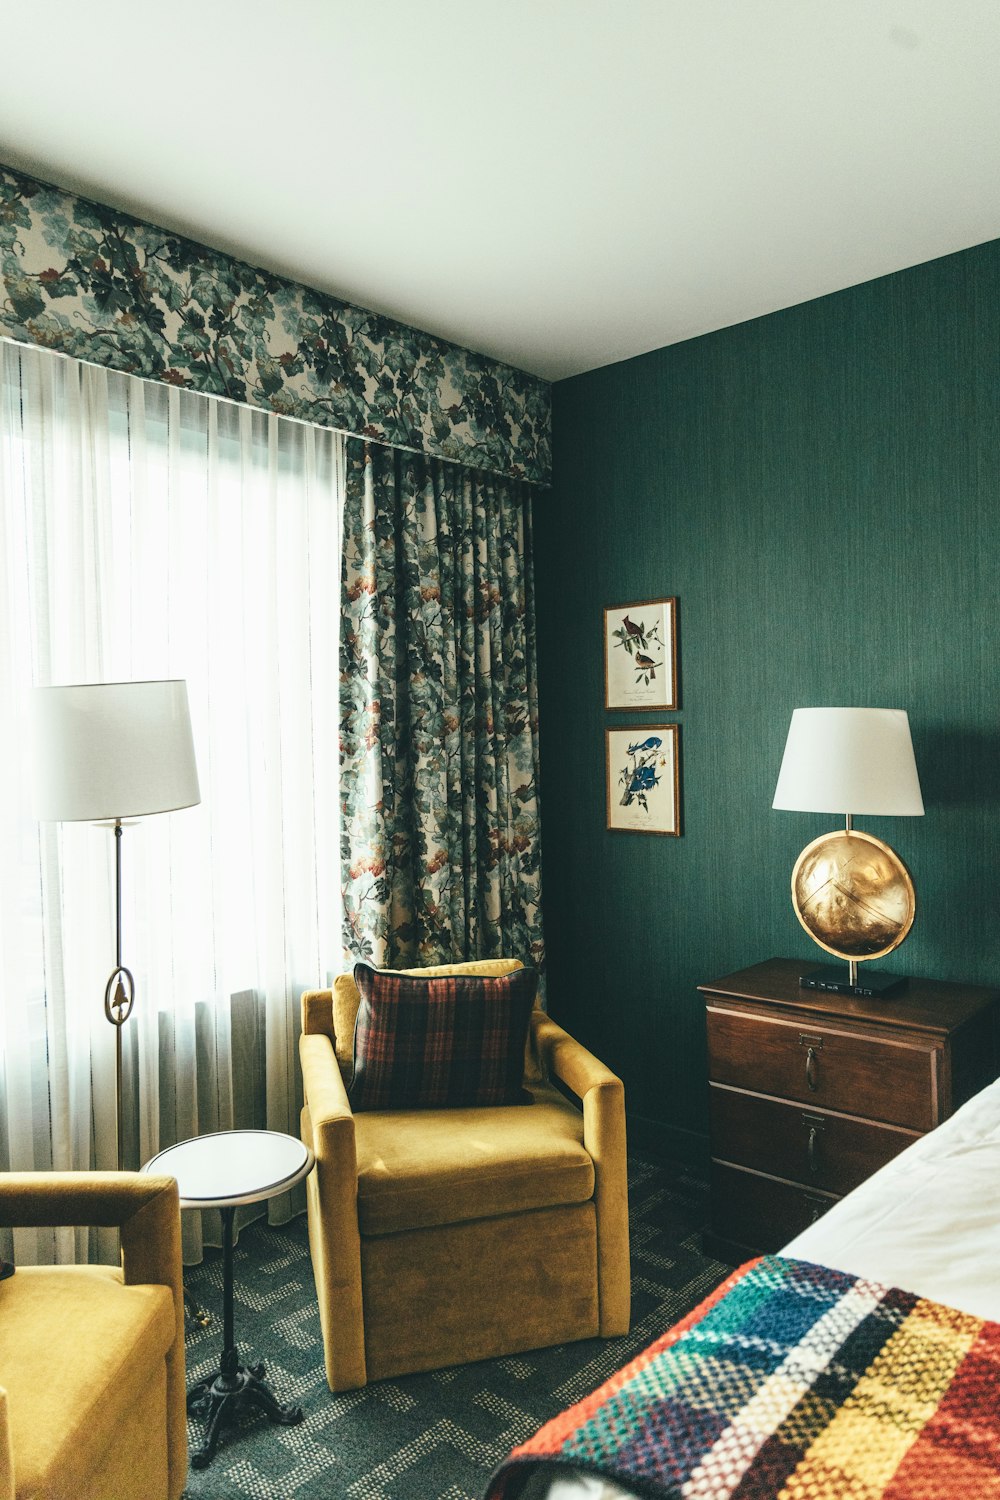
(219, 1398)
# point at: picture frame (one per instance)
(643, 779)
(640, 655)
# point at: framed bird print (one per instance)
(643, 777)
(640, 655)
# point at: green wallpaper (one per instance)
(821, 490)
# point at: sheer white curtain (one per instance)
(149, 532)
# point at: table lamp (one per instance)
(106, 752)
(851, 892)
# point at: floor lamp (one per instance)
(108, 752)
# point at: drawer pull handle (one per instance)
(811, 1069)
(817, 1208)
(811, 1149)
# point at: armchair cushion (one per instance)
(441, 1041)
(70, 1394)
(417, 1168)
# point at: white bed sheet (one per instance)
(928, 1222)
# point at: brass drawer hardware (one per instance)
(817, 1207)
(814, 1124)
(814, 1045)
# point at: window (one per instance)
(146, 532)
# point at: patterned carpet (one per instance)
(424, 1437)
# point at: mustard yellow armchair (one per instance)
(439, 1237)
(92, 1400)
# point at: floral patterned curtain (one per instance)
(439, 723)
(97, 284)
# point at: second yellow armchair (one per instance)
(441, 1236)
(92, 1357)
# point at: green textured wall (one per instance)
(821, 490)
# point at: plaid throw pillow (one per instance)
(455, 1039)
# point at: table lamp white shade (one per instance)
(110, 750)
(849, 760)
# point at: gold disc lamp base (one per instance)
(855, 898)
(852, 893)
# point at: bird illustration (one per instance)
(642, 780)
(647, 664)
(653, 743)
(632, 627)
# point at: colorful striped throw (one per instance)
(798, 1382)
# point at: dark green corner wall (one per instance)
(821, 490)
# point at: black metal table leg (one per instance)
(218, 1398)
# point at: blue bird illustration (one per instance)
(643, 779)
(651, 744)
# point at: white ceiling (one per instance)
(558, 183)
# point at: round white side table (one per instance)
(225, 1171)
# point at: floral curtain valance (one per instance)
(102, 286)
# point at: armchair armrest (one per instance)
(146, 1210)
(325, 1091)
(602, 1094)
(334, 1237)
(571, 1063)
(317, 1013)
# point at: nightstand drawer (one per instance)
(759, 1213)
(860, 1075)
(829, 1152)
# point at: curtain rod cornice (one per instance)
(100, 285)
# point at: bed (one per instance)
(928, 1222)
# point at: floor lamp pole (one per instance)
(119, 995)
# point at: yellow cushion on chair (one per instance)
(418, 1168)
(79, 1356)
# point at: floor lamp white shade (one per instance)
(849, 761)
(110, 750)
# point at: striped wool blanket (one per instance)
(798, 1382)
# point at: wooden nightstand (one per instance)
(811, 1092)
